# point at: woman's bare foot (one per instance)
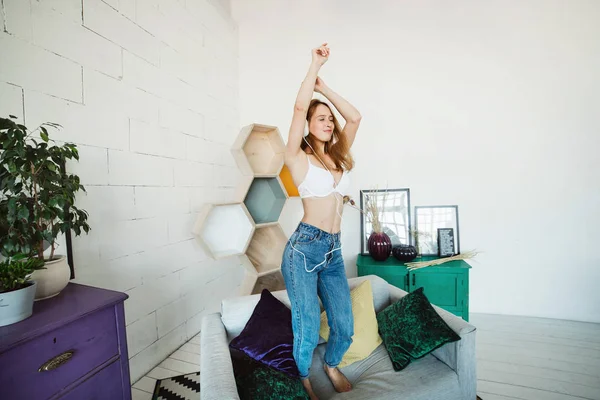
(308, 387)
(339, 380)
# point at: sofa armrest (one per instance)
(216, 370)
(460, 355)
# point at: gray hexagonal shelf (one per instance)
(265, 199)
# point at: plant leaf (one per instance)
(44, 134)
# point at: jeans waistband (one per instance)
(320, 233)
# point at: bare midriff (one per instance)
(321, 212)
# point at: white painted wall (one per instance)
(492, 105)
(149, 92)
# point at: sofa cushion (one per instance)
(411, 327)
(374, 378)
(236, 311)
(366, 336)
(267, 336)
(256, 381)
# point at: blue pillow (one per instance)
(268, 337)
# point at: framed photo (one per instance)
(394, 215)
(445, 239)
(428, 219)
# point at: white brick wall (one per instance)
(148, 90)
(181, 119)
(103, 91)
(151, 139)
(11, 100)
(70, 9)
(30, 67)
(2, 20)
(18, 21)
(62, 35)
(112, 25)
(82, 124)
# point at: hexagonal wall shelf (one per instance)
(288, 183)
(214, 231)
(272, 281)
(254, 284)
(249, 227)
(266, 248)
(248, 284)
(241, 190)
(259, 150)
(265, 199)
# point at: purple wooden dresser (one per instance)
(73, 347)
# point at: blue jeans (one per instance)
(312, 264)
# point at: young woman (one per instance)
(312, 263)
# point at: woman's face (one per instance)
(321, 124)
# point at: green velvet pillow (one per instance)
(411, 329)
(257, 381)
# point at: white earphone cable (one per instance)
(337, 209)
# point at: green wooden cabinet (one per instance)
(445, 285)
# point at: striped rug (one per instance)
(182, 387)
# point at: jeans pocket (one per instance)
(305, 237)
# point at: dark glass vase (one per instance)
(380, 246)
(404, 252)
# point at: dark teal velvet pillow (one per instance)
(258, 381)
(411, 329)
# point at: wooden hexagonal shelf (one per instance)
(259, 150)
(241, 190)
(272, 281)
(254, 284)
(265, 199)
(266, 248)
(248, 283)
(224, 230)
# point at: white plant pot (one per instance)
(53, 279)
(17, 305)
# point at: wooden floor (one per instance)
(517, 358)
(536, 358)
(185, 360)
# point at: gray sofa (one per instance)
(448, 373)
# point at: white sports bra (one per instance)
(320, 182)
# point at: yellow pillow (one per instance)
(366, 335)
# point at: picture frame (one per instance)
(427, 221)
(445, 240)
(395, 216)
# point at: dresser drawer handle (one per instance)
(57, 361)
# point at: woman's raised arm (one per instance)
(350, 114)
(319, 57)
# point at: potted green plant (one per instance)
(17, 290)
(37, 198)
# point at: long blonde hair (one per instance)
(337, 147)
